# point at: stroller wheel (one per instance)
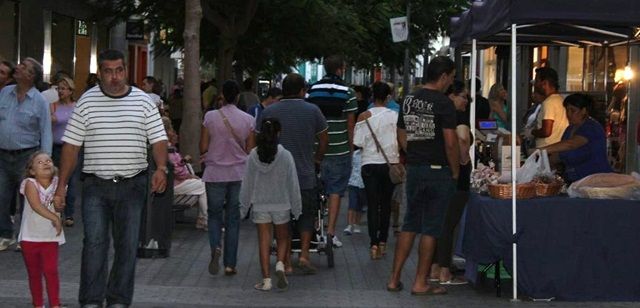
(328, 250)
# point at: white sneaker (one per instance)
(348, 230)
(265, 285)
(6, 242)
(336, 242)
(282, 282)
(356, 229)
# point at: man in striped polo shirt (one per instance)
(338, 104)
(113, 121)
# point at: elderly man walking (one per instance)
(25, 127)
(114, 122)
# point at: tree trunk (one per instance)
(225, 60)
(192, 112)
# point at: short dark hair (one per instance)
(292, 84)
(456, 88)
(247, 84)
(230, 91)
(274, 92)
(438, 66)
(381, 90)
(11, 66)
(110, 55)
(548, 74)
(580, 100)
(150, 80)
(333, 63)
(478, 84)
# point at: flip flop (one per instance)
(306, 268)
(398, 287)
(454, 282)
(430, 291)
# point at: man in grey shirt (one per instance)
(302, 123)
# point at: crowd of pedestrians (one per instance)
(264, 157)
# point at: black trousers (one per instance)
(444, 246)
(379, 190)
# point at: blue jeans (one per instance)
(119, 204)
(70, 201)
(335, 173)
(223, 196)
(12, 168)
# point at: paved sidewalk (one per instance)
(182, 279)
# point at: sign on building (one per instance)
(135, 30)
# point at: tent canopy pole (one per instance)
(514, 62)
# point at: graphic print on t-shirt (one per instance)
(419, 119)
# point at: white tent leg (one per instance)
(513, 158)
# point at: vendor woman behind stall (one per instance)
(583, 147)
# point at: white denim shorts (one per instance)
(275, 217)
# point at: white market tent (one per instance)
(547, 22)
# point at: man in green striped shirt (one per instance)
(338, 104)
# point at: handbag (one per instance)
(397, 172)
(232, 131)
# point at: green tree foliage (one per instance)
(273, 35)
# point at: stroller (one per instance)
(320, 242)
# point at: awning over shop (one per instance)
(570, 22)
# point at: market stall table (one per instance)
(568, 248)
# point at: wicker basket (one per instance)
(503, 191)
(546, 190)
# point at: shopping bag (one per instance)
(537, 163)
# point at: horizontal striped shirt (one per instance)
(336, 100)
(114, 131)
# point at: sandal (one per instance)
(306, 268)
(430, 291)
(375, 253)
(230, 271)
(382, 246)
(397, 288)
(68, 222)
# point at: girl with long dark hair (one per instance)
(270, 186)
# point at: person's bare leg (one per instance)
(264, 246)
(334, 210)
(288, 267)
(445, 274)
(282, 237)
(395, 214)
(435, 272)
(403, 248)
(351, 217)
(305, 245)
(425, 257)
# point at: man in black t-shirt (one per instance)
(427, 133)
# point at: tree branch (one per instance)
(214, 17)
(245, 20)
